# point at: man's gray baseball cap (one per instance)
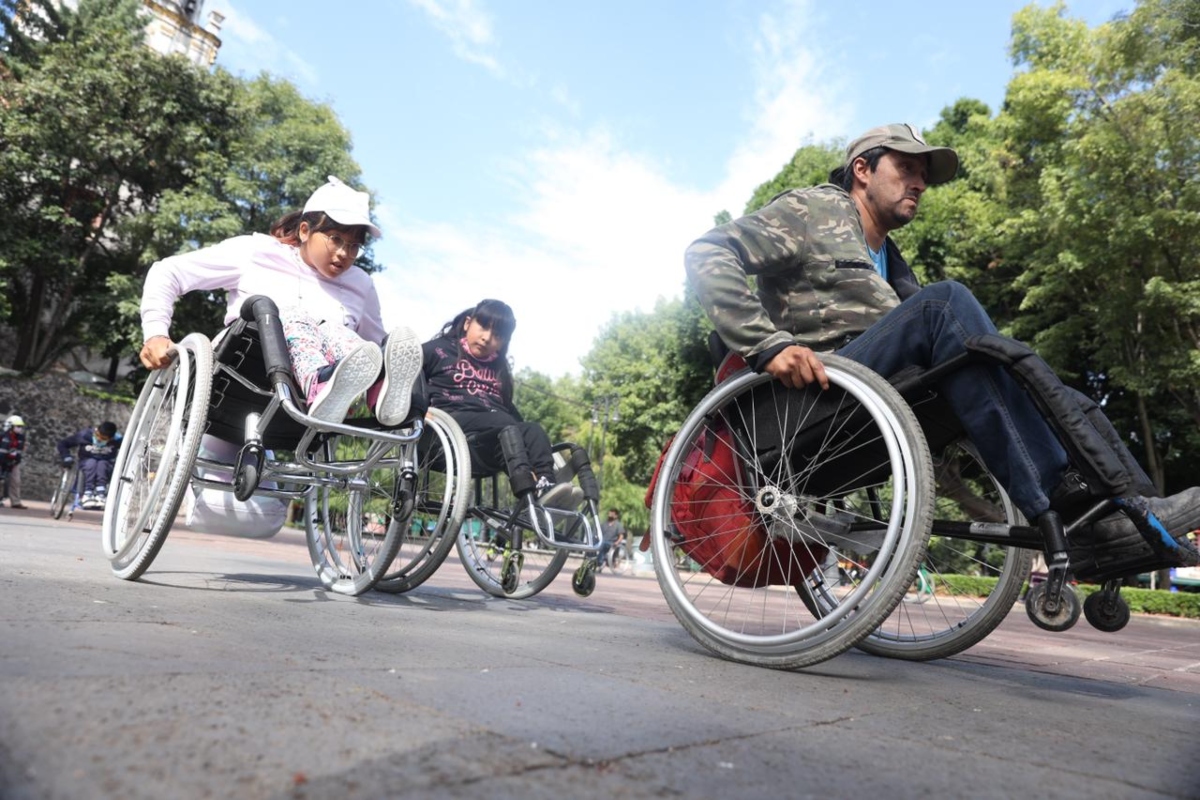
(904, 138)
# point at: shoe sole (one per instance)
(402, 360)
(562, 496)
(353, 375)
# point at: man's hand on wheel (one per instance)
(796, 366)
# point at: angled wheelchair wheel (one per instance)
(762, 485)
(64, 492)
(354, 519)
(155, 461)
(442, 494)
(517, 565)
(965, 588)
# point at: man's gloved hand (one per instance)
(68, 461)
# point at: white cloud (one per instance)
(468, 27)
(797, 98)
(248, 48)
(599, 228)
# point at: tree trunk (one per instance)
(1163, 580)
(27, 333)
(1154, 467)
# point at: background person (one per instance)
(12, 450)
(612, 534)
(96, 450)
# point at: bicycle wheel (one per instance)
(845, 470)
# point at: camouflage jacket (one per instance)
(817, 285)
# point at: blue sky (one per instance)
(561, 155)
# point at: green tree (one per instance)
(658, 367)
(1106, 195)
(284, 147)
(556, 406)
(810, 166)
(94, 127)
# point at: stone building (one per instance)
(182, 28)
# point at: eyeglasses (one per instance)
(338, 242)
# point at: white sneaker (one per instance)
(402, 360)
(561, 495)
(352, 376)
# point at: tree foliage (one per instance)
(810, 165)
(1103, 180)
(112, 156)
(657, 366)
(92, 132)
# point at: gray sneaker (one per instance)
(401, 364)
(352, 376)
(566, 496)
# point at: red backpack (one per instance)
(715, 523)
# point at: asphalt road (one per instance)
(228, 672)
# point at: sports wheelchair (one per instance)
(764, 488)
(509, 544)
(362, 486)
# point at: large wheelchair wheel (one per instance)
(964, 588)
(354, 520)
(442, 495)
(155, 461)
(517, 565)
(844, 471)
(64, 492)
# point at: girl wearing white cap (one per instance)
(329, 308)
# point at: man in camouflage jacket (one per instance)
(830, 279)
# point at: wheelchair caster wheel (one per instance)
(1106, 611)
(1059, 619)
(584, 579)
(248, 471)
(510, 572)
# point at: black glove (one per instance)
(68, 461)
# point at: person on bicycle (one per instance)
(12, 450)
(96, 448)
(830, 278)
(612, 534)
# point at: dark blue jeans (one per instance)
(1015, 442)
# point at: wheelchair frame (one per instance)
(514, 547)
(510, 547)
(354, 479)
(905, 605)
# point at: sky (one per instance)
(560, 155)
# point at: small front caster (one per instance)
(1052, 618)
(1106, 610)
(510, 571)
(584, 579)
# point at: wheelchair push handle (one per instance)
(262, 310)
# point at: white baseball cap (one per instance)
(343, 205)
